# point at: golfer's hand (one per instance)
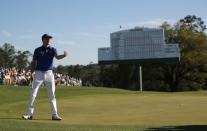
(65, 53)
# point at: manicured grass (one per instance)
(103, 109)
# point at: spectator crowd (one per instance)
(14, 76)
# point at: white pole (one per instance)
(140, 78)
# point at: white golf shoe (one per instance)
(56, 117)
(27, 117)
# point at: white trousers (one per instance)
(48, 78)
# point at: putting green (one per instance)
(103, 109)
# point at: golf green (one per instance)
(103, 109)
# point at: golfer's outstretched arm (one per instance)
(61, 56)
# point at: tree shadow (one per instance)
(180, 128)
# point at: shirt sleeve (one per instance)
(55, 52)
(35, 55)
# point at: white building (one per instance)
(138, 45)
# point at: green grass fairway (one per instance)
(104, 109)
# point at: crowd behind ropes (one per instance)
(14, 76)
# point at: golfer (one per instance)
(43, 64)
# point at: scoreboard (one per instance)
(138, 45)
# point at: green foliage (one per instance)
(188, 32)
(22, 59)
(192, 23)
(12, 58)
(8, 55)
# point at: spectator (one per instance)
(16, 76)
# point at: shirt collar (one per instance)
(46, 47)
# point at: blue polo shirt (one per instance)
(44, 57)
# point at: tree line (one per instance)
(187, 75)
(10, 57)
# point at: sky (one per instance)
(82, 26)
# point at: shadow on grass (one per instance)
(180, 128)
(10, 118)
(19, 118)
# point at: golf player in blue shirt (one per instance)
(43, 64)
